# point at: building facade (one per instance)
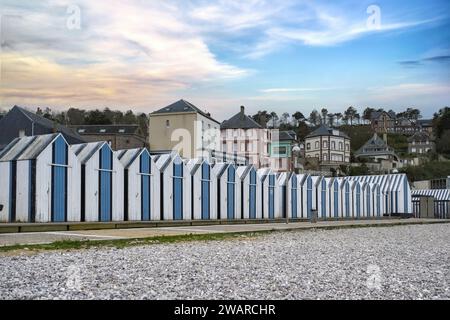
(389, 122)
(184, 128)
(420, 143)
(119, 137)
(330, 146)
(243, 136)
(280, 150)
(19, 122)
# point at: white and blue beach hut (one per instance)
(249, 185)
(141, 185)
(102, 182)
(38, 180)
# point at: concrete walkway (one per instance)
(8, 239)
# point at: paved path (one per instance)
(8, 239)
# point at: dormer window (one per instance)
(102, 130)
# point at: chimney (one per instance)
(242, 110)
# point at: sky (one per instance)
(281, 56)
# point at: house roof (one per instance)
(240, 121)
(183, 106)
(419, 136)
(377, 114)
(286, 135)
(106, 129)
(70, 136)
(326, 131)
(375, 146)
(425, 122)
(27, 148)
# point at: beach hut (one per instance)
(294, 197)
(141, 185)
(266, 206)
(249, 185)
(201, 186)
(101, 182)
(175, 201)
(38, 180)
(357, 195)
(281, 210)
(335, 198)
(224, 191)
(323, 198)
(302, 195)
(345, 198)
(312, 196)
(441, 200)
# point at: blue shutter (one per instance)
(105, 183)
(205, 191)
(59, 180)
(231, 192)
(178, 191)
(145, 170)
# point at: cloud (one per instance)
(419, 62)
(283, 90)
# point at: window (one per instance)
(224, 146)
(167, 123)
(282, 151)
(333, 145)
(347, 147)
(121, 130)
(21, 133)
(79, 131)
(308, 146)
(209, 126)
(102, 130)
(317, 144)
(247, 146)
(235, 147)
(324, 157)
(324, 144)
(341, 146)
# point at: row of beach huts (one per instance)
(44, 179)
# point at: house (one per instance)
(382, 121)
(280, 153)
(426, 125)
(378, 155)
(420, 143)
(243, 136)
(119, 136)
(389, 122)
(19, 122)
(330, 146)
(184, 128)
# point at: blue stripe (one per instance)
(323, 199)
(178, 191)
(252, 198)
(309, 196)
(294, 196)
(105, 183)
(336, 199)
(205, 191)
(59, 180)
(145, 186)
(231, 192)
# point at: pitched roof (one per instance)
(326, 131)
(240, 121)
(377, 114)
(375, 146)
(68, 133)
(27, 148)
(183, 106)
(425, 122)
(106, 129)
(419, 136)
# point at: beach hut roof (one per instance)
(127, 157)
(438, 194)
(242, 171)
(219, 168)
(27, 148)
(85, 151)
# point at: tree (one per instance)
(441, 121)
(350, 114)
(338, 117)
(314, 117)
(331, 117)
(367, 113)
(285, 118)
(299, 116)
(129, 117)
(75, 116)
(274, 118)
(262, 117)
(96, 117)
(39, 111)
(324, 113)
(48, 113)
